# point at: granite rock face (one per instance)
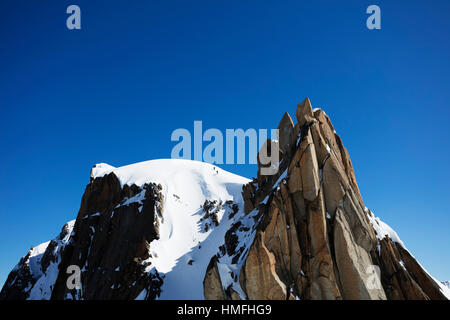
(315, 239)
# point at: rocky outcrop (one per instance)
(113, 258)
(285, 133)
(403, 277)
(34, 276)
(354, 264)
(259, 275)
(109, 242)
(212, 285)
(314, 238)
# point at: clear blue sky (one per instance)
(115, 90)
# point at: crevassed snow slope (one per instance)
(184, 249)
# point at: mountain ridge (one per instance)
(182, 229)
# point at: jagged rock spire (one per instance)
(315, 239)
(304, 112)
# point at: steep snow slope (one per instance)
(184, 249)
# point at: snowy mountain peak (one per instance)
(187, 206)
